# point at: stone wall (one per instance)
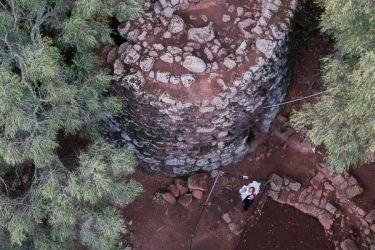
(195, 77)
(329, 198)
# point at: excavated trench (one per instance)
(195, 77)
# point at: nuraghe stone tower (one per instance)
(195, 76)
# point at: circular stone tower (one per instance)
(195, 76)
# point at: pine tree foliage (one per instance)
(344, 119)
(51, 83)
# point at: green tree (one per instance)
(51, 83)
(344, 119)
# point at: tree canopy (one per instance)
(344, 119)
(51, 84)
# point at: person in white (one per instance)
(248, 193)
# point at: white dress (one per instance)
(243, 190)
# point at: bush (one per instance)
(343, 120)
(51, 84)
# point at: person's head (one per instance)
(251, 190)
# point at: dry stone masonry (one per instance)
(329, 198)
(195, 76)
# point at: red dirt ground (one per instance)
(156, 225)
(275, 227)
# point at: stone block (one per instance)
(168, 197)
(174, 190)
(276, 182)
(181, 186)
(172, 92)
(353, 191)
(370, 217)
(348, 244)
(295, 186)
(197, 194)
(185, 200)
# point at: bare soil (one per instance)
(282, 227)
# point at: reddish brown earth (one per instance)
(366, 176)
(276, 226)
(156, 225)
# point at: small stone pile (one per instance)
(194, 76)
(183, 192)
(328, 197)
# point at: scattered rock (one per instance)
(131, 55)
(174, 190)
(147, 63)
(167, 35)
(176, 25)
(295, 186)
(197, 194)
(214, 173)
(329, 187)
(276, 182)
(163, 77)
(175, 2)
(348, 244)
(181, 186)
(185, 200)
(229, 63)
(198, 182)
(163, 3)
(292, 199)
(273, 194)
(331, 208)
(338, 180)
(265, 46)
(302, 146)
(167, 58)
(226, 18)
(226, 218)
(168, 12)
(234, 228)
(118, 67)
(243, 25)
(194, 64)
(353, 191)
(201, 35)
(112, 55)
(317, 179)
(187, 80)
(240, 11)
(168, 197)
(326, 220)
